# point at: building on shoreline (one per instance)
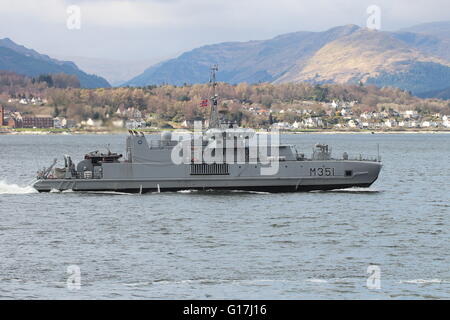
(2, 116)
(16, 120)
(38, 122)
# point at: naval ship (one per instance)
(223, 157)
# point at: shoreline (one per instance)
(112, 132)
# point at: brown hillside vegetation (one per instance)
(179, 103)
(358, 56)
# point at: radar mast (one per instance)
(214, 116)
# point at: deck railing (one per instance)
(362, 157)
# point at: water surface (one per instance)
(230, 244)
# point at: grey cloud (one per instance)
(161, 28)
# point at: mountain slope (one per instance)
(439, 29)
(252, 61)
(427, 44)
(28, 62)
(440, 94)
(115, 72)
(377, 58)
(415, 62)
(418, 77)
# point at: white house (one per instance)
(446, 121)
(281, 125)
(92, 123)
(121, 111)
(134, 113)
(365, 125)
(135, 124)
(187, 124)
(334, 105)
(297, 125)
(389, 123)
(57, 122)
(37, 101)
(118, 123)
(412, 124)
(384, 114)
(410, 114)
(425, 124)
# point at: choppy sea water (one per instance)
(241, 245)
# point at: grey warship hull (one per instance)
(171, 164)
(222, 158)
(293, 176)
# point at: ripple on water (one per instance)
(230, 244)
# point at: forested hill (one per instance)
(21, 60)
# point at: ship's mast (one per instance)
(214, 116)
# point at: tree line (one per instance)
(177, 103)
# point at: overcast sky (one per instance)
(155, 29)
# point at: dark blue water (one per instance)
(233, 244)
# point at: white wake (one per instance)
(424, 281)
(6, 188)
(187, 191)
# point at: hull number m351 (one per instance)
(321, 172)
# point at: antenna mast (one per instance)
(214, 117)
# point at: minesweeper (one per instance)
(223, 157)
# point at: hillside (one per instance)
(28, 62)
(427, 44)
(439, 29)
(115, 72)
(254, 106)
(440, 94)
(252, 62)
(353, 58)
(376, 58)
(347, 54)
